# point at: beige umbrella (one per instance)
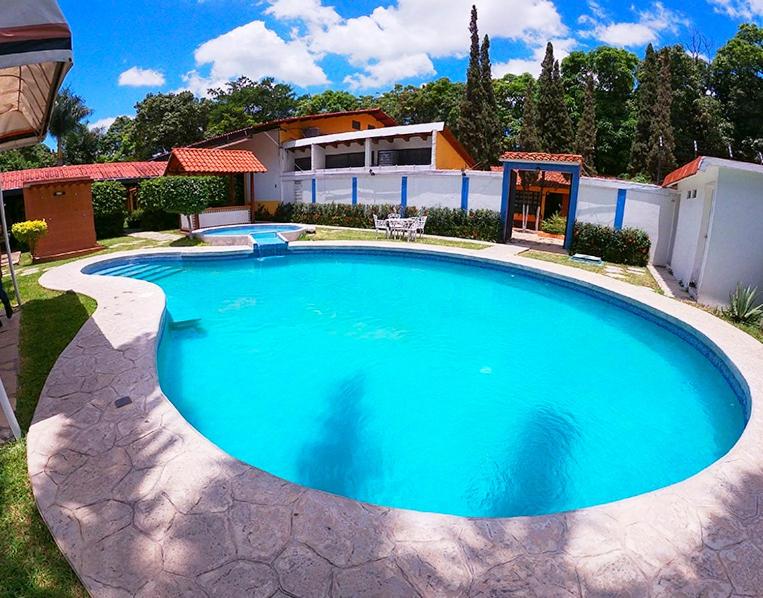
(35, 55)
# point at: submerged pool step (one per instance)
(146, 271)
(269, 246)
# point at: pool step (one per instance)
(269, 246)
(142, 271)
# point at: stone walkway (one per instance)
(156, 236)
(9, 364)
(142, 505)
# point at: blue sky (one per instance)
(123, 50)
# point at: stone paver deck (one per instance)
(142, 505)
(9, 366)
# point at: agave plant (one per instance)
(742, 307)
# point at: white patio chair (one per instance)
(422, 222)
(381, 226)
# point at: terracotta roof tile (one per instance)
(541, 157)
(683, 172)
(194, 160)
(552, 176)
(16, 179)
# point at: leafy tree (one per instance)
(437, 101)
(491, 125)
(244, 102)
(510, 93)
(529, 136)
(118, 142)
(471, 111)
(328, 101)
(164, 121)
(645, 98)
(69, 110)
(554, 118)
(585, 140)
(34, 156)
(661, 153)
(82, 145)
(737, 78)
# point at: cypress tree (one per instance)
(491, 124)
(529, 138)
(585, 140)
(646, 97)
(661, 155)
(553, 117)
(471, 109)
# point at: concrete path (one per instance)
(156, 236)
(9, 364)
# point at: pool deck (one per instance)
(143, 505)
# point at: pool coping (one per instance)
(140, 503)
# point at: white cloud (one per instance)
(646, 29)
(138, 77)
(739, 9)
(310, 12)
(517, 66)
(102, 123)
(254, 51)
(389, 71)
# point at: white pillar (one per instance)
(317, 157)
(368, 152)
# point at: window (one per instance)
(694, 194)
(356, 159)
(371, 127)
(356, 125)
(302, 163)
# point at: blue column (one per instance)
(572, 208)
(313, 191)
(403, 196)
(505, 197)
(464, 193)
(620, 209)
(354, 190)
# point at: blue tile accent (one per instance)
(354, 190)
(403, 195)
(620, 208)
(572, 209)
(313, 192)
(505, 191)
(464, 193)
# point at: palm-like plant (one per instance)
(742, 306)
(69, 110)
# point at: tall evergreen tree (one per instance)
(661, 156)
(491, 123)
(553, 117)
(529, 138)
(645, 98)
(585, 140)
(470, 112)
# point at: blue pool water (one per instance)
(435, 385)
(255, 230)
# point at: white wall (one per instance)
(267, 185)
(218, 218)
(735, 239)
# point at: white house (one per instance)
(717, 238)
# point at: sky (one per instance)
(124, 50)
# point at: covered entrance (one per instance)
(550, 184)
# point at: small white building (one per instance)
(717, 238)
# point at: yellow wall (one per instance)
(446, 156)
(268, 205)
(328, 126)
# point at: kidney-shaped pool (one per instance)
(437, 385)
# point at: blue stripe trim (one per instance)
(403, 195)
(464, 193)
(354, 190)
(313, 191)
(505, 191)
(572, 209)
(620, 209)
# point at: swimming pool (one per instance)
(434, 384)
(253, 230)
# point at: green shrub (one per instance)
(109, 199)
(628, 246)
(157, 220)
(29, 233)
(742, 306)
(134, 218)
(182, 194)
(554, 225)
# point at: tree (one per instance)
(553, 117)
(436, 101)
(118, 143)
(645, 98)
(82, 145)
(243, 102)
(510, 93)
(737, 80)
(585, 140)
(164, 121)
(491, 126)
(660, 156)
(471, 111)
(34, 156)
(69, 110)
(529, 136)
(328, 101)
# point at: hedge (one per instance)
(182, 194)
(628, 246)
(109, 198)
(484, 225)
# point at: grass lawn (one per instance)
(30, 562)
(644, 280)
(323, 233)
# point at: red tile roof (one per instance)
(195, 160)
(551, 176)
(121, 171)
(681, 173)
(541, 157)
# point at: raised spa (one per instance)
(437, 385)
